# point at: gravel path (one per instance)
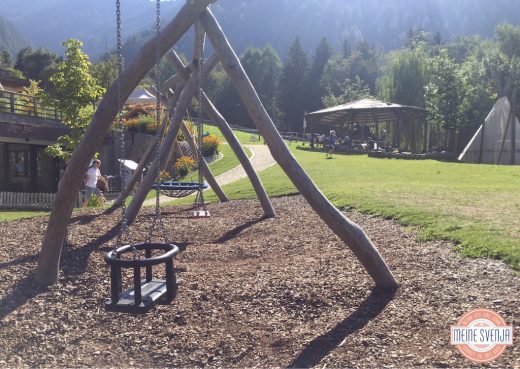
(253, 292)
(261, 159)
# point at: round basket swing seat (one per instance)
(147, 292)
(178, 189)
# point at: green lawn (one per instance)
(243, 137)
(6, 215)
(476, 206)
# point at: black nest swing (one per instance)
(179, 189)
(147, 292)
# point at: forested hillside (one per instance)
(260, 22)
(10, 38)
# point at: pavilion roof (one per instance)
(367, 110)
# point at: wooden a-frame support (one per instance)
(230, 137)
(176, 121)
(349, 232)
(49, 258)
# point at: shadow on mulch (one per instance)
(229, 235)
(74, 261)
(321, 346)
(24, 290)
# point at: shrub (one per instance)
(137, 111)
(183, 165)
(131, 124)
(164, 176)
(210, 145)
(94, 201)
(146, 124)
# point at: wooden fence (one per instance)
(25, 200)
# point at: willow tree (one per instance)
(404, 78)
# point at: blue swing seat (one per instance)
(178, 189)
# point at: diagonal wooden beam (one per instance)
(176, 121)
(230, 137)
(49, 258)
(352, 234)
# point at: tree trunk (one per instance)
(230, 137)
(49, 258)
(183, 104)
(347, 230)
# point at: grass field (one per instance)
(476, 206)
(228, 161)
(6, 215)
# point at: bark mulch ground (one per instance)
(281, 292)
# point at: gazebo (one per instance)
(370, 111)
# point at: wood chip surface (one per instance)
(253, 292)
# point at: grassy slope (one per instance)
(477, 206)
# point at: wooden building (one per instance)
(26, 129)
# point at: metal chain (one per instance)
(200, 195)
(124, 221)
(157, 161)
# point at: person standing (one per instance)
(332, 144)
(91, 178)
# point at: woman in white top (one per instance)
(91, 178)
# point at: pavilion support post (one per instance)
(513, 131)
(348, 231)
(510, 118)
(425, 138)
(231, 139)
(49, 258)
(176, 121)
(205, 168)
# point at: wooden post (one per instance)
(49, 258)
(348, 231)
(230, 137)
(425, 141)
(511, 117)
(513, 131)
(11, 101)
(169, 139)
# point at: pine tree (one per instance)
(291, 90)
(314, 88)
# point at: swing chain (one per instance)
(158, 214)
(199, 200)
(123, 229)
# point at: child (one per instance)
(91, 178)
(332, 144)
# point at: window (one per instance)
(19, 163)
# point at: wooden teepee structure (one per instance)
(196, 12)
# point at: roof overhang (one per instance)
(365, 111)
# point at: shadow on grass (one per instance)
(324, 151)
(321, 346)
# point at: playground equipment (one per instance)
(195, 11)
(148, 292)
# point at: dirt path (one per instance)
(253, 292)
(261, 159)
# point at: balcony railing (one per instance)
(21, 104)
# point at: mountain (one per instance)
(259, 22)
(11, 39)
